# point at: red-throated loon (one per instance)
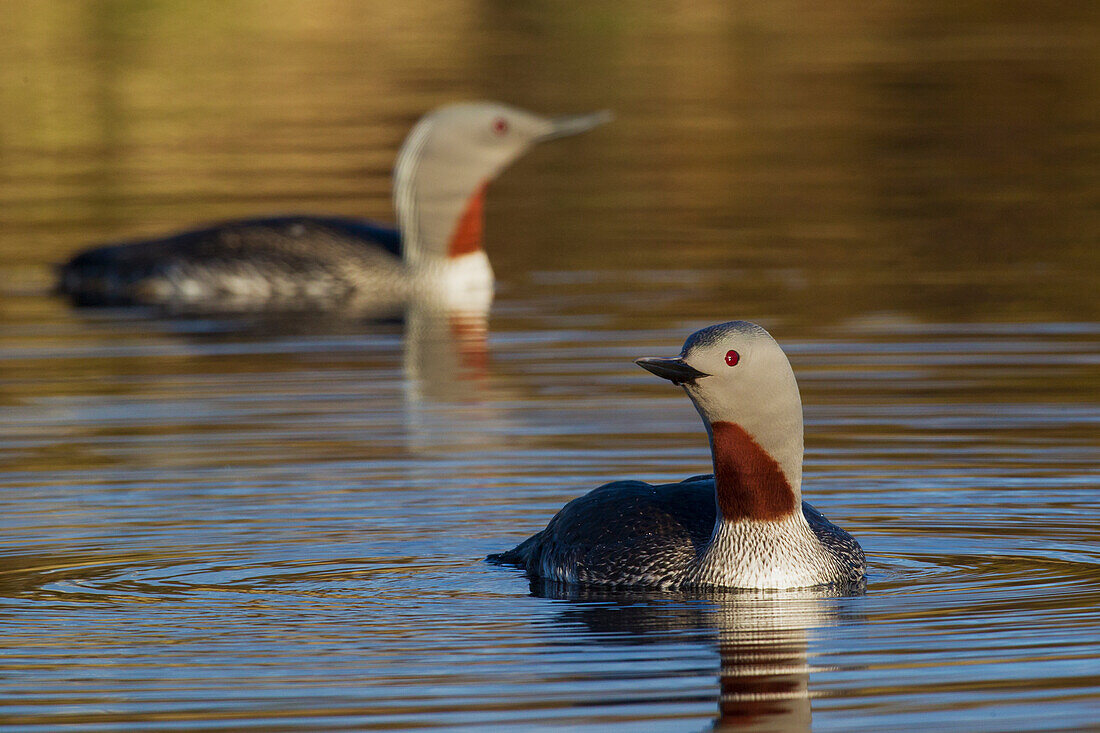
(744, 527)
(440, 177)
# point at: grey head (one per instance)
(736, 373)
(448, 159)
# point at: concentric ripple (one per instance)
(246, 557)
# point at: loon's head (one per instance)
(744, 389)
(450, 157)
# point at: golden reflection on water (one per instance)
(906, 194)
(922, 159)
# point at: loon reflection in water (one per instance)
(744, 527)
(292, 262)
(761, 637)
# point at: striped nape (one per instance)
(405, 192)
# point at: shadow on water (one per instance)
(761, 638)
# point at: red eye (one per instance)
(732, 357)
(500, 125)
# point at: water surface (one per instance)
(279, 523)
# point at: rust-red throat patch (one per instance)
(750, 483)
(466, 238)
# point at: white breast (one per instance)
(464, 282)
(755, 554)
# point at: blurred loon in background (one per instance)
(289, 262)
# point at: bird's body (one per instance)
(669, 527)
(292, 262)
(745, 526)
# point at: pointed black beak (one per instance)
(674, 369)
(575, 124)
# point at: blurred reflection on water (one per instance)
(761, 639)
(262, 522)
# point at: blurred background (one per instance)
(937, 160)
(232, 522)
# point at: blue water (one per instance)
(279, 523)
(260, 531)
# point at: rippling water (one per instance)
(262, 522)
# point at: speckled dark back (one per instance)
(628, 532)
(290, 247)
